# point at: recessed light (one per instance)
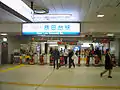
(41, 11)
(5, 39)
(4, 34)
(38, 12)
(100, 16)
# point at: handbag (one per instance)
(74, 57)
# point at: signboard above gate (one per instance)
(51, 29)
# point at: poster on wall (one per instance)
(51, 29)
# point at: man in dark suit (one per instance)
(56, 56)
(108, 64)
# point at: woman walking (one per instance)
(108, 64)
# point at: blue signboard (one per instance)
(76, 48)
(51, 29)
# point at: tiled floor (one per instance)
(46, 75)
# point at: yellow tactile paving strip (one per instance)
(11, 68)
(60, 86)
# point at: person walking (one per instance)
(71, 61)
(35, 58)
(108, 64)
(88, 57)
(56, 56)
(98, 53)
(65, 55)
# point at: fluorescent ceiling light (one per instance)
(55, 15)
(5, 39)
(110, 35)
(101, 15)
(4, 34)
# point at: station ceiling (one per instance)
(85, 11)
(82, 10)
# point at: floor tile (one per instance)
(79, 76)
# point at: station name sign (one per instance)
(51, 29)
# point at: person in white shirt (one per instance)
(65, 56)
(35, 58)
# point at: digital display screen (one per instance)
(51, 29)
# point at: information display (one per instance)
(51, 29)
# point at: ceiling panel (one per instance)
(38, 4)
(57, 5)
(83, 10)
(71, 4)
(86, 5)
(73, 7)
(49, 5)
(106, 7)
(8, 17)
(114, 3)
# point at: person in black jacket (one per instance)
(71, 61)
(51, 49)
(56, 56)
(98, 53)
(108, 64)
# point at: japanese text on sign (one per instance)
(55, 27)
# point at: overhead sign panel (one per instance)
(51, 29)
(20, 7)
